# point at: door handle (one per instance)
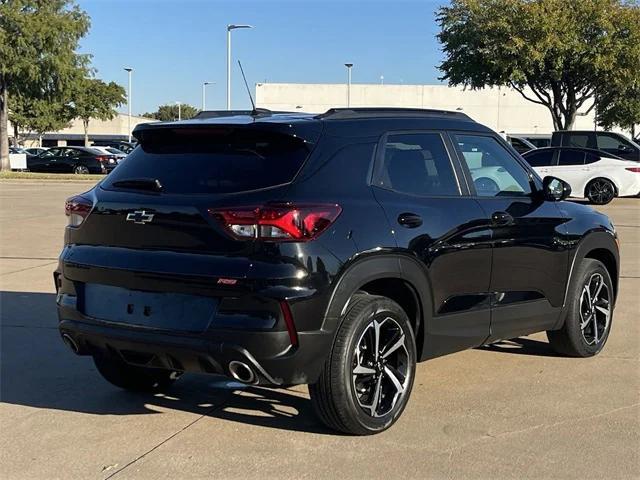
(501, 218)
(409, 220)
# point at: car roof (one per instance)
(346, 121)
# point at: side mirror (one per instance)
(555, 189)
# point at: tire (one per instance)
(80, 170)
(346, 400)
(582, 335)
(137, 379)
(600, 191)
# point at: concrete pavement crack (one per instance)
(489, 436)
(28, 268)
(173, 435)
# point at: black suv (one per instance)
(335, 250)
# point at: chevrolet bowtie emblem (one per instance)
(140, 217)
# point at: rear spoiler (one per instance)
(307, 131)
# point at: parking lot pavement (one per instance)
(511, 410)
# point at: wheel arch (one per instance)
(598, 245)
(396, 276)
(603, 177)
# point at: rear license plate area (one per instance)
(158, 310)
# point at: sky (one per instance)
(175, 45)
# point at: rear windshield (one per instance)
(212, 160)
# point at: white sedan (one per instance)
(592, 174)
(113, 152)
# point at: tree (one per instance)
(619, 107)
(96, 99)
(167, 113)
(38, 116)
(38, 59)
(556, 53)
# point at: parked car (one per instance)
(125, 147)
(539, 140)
(521, 144)
(596, 175)
(609, 142)
(72, 160)
(35, 151)
(335, 250)
(112, 151)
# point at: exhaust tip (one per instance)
(71, 343)
(241, 372)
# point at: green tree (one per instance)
(620, 107)
(556, 53)
(38, 59)
(167, 113)
(38, 116)
(96, 99)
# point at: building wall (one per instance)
(114, 128)
(502, 109)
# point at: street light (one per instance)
(204, 94)
(229, 28)
(179, 110)
(348, 65)
(129, 70)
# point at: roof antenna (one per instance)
(254, 112)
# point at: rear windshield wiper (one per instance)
(149, 184)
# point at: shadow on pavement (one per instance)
(521, 346)
(38, 371)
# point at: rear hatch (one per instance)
(154, 212)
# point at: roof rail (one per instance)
(379, 112)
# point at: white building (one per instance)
(502, 109)
(114, 129)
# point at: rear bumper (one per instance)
(269, 353)
(293, 365)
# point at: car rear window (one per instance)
(213, 160)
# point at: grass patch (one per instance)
(49, 176)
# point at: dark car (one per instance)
(609, 142)
(72, 160)
(335, 250)
(520, 144)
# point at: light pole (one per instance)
(129, 70)
(229, 28)
(348, 65)
(204, 94)
(179, 110)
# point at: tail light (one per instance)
(102, 159)
(633, 169)
(77, 209)
(277, 222)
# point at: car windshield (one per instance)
(115, 151)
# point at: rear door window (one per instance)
(575, 140)
(542, 158)
(571, 157)
(417, 164)
(213, 160)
